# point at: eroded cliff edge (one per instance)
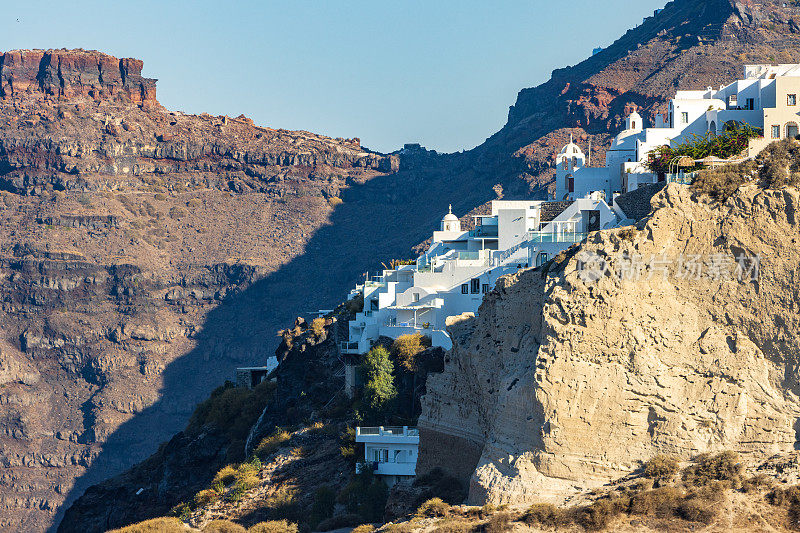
(560, 385)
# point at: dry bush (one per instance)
(433, 508)
(757, 482)
(272, 443)
(719, 183)
(627, 234)
(363, 528)
(598, 516)
(205, 497)
(659, 502)
(790, 499)
(406, 348)
(226, 476)
(661, 466)
(156, 525)
(497, 523)
(194, 203)
(223, 526)
(545, 515)
(160, 197)
(339, 522)
(318, 327)
(273, 526)
(454, 526)
(723, 466)
(333, 201)
(696, 510)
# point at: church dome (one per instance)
(450, 217)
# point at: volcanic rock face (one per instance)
(562, 384)
(70, 73)
(145, 254)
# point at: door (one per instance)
(593, 220)
(791, 130)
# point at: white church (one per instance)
(767, 99)
(462, 265)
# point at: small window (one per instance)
(733, 100)
(476, 286)
(485, 288)
(776, 132)
(633, 124)
(465, 288)
(416, 296)
(684, 117)
(751, 104)
(791, 99)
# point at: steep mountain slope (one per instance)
(123, 226)
(146, 253)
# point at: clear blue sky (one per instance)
(439, 72)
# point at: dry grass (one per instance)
(223, 526)
(318, 327)
(434, 507)
(363, 528)
(272, 443)
(273, 526)
(156, 525)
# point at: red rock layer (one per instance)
(74, 73)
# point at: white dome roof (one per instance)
(571, 149)
(450, 217)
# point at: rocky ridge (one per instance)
(562, 385)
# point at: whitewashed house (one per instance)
(462, 265)
(390, 452)
(767, 98)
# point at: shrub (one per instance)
(177, 212)
(546, 515)
(226, 476)
(497, 523)
(318, 327)
(205, 497)
(223, 526)
(661, 466)
(759, 481)
(454, 526)
(366, 496)
(333, 201)
(659, 502)
(272, 443)
(363, 528)
(355, 305)
(433, 508)
(273, 526)
(598, 515)
(723, 466)
(232, 409)
(156, 525)
(696, 510)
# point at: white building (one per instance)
(767, 98)
(461, 266)
(390, 452)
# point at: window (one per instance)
(684, 117)
(570, 183)
(750, 104)
(776, 132)
(733, 100)
(476, 286)
(465, 288)
(416, 296)
(485, 288)
(633, 124)
(791, 99)
(791, 130)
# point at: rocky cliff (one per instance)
(568, 380)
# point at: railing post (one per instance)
(380, 431)
(405, 431)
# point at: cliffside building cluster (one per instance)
(461, 265)
(767, 99)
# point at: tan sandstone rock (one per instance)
(560, 385)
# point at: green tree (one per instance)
(379, 387)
